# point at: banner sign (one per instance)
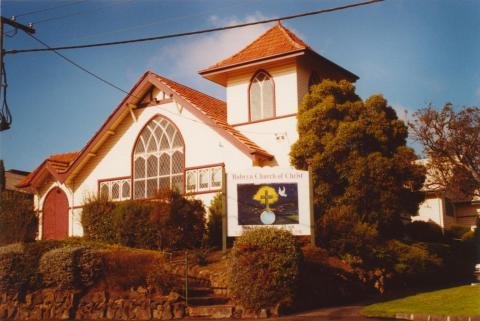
(269, 196)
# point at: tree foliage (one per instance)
(358, 155)
(18, 221)
(214, 225)
(450, 141)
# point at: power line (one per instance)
(75, 13)
(163, 21)
(190, 33)
(126, 92)
(49, 8)
(78, 66)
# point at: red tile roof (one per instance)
(213, 108)
(276, 41)
(210, 107)
(57, 162)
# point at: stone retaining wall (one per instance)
(52, 304)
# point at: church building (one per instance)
(167, 135)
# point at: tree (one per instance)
(2, 176)
(214, 225)
(358, 155)
(450, 141)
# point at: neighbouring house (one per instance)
(10, 178)
(445, 212)
(167, 135)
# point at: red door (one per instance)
(55, 215)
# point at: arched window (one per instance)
(158, 159)
(313, 80)
(262, 95)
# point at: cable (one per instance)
(80, 67)
(190, 33)
(166, 20)
(126, 92)
(49, 8)
(75, 13)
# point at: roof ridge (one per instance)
(243, 49)
(162, 78)
(296, 41)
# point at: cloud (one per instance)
(185, 58)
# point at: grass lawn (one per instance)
(458, 301)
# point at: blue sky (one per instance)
(413, 52)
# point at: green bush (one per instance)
(19, 264)
(70, 267)
(424, 231)
(456, 232)
(133, 225)
(18, 222)
(343, 234)
(97, 219)
(11, 267)
(179, 221)
(214, 225)
(265, 267)
(416, 263)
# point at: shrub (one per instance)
(19, 264)
(415, 262)
(214, 225)
(18, 222)
(342, 234)
(97, 219)
(264, 268)
(133, 226)
(456, 231)
(11, 267)
(179, 221)
(126, 268)
(70, 267)
(424, 231)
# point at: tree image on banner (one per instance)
(266, 195)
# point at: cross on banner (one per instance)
(266, 197)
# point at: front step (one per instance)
(211, 311)
(207, 300)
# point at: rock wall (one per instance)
(53, 304)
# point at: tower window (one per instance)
(262, 95)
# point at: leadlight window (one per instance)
(115, 189)
(158, 159)
(262, 97)
(204, 179)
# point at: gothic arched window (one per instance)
(262, 96)
(158, 159)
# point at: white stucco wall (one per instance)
(203, 146)
(275, 136)
(431, 210)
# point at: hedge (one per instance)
(264, 268)
(71, 267)
(18, 222)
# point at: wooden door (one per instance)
(55, 215)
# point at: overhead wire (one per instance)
(109, 83)
(162, 21)
(49, 8)
(55, 50)
(196, 32)
(75, 13)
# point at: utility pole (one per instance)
(28, 29)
